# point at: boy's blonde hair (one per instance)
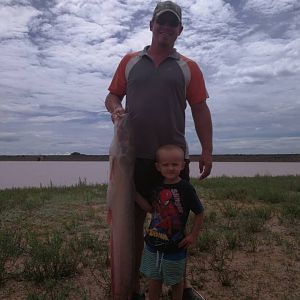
(168, 147)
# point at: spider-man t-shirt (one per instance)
(172, 204)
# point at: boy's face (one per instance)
(170, 163)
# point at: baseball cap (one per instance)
(165, 6)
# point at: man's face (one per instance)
(165, 29)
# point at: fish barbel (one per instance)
(120, 202)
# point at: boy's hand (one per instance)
(188, 241)
(143, 203)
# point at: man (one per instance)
(157, 83)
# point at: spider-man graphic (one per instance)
(167, 215)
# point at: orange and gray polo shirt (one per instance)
(156, 98)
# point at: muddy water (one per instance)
(45, 173)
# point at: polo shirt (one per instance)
(156, 98)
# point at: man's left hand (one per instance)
(205, 165)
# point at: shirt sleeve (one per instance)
(194, 201)
(196, 90)
(119, 82)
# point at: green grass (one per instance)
(54, 241)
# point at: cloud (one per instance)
(8, 137)
(13, 20)
(257, 145)
(58, 57)
(220, 11)
(271, 7)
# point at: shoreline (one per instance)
(216, 158)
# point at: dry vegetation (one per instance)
(53, 241)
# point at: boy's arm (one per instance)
(191, 238)
(143, 203)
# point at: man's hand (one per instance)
(117, 113)
(205, 165)
(203, 126)
(114, 106)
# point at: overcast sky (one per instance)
(57, 58)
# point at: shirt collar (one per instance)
(174, 53)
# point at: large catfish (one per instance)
(120, 200)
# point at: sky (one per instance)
(57, 58)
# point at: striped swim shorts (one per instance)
(168, 268)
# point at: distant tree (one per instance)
(76, 153)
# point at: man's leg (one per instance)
(145, 179)
(139, 244)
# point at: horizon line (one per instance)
(76, 156)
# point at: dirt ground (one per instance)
(225, 264)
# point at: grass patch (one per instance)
(54, 241)
(51, 257)
(10, 248)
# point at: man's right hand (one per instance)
(114, 106)
(117, 113)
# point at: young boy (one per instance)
(166, 242)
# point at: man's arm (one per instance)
(114, 106)
(203, 126)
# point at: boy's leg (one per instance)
(177, 291)
(173, 269)
(155, 289)
(189, 293)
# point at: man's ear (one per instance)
(180, 30)
(151, 25)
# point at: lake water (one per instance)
(57, 173)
